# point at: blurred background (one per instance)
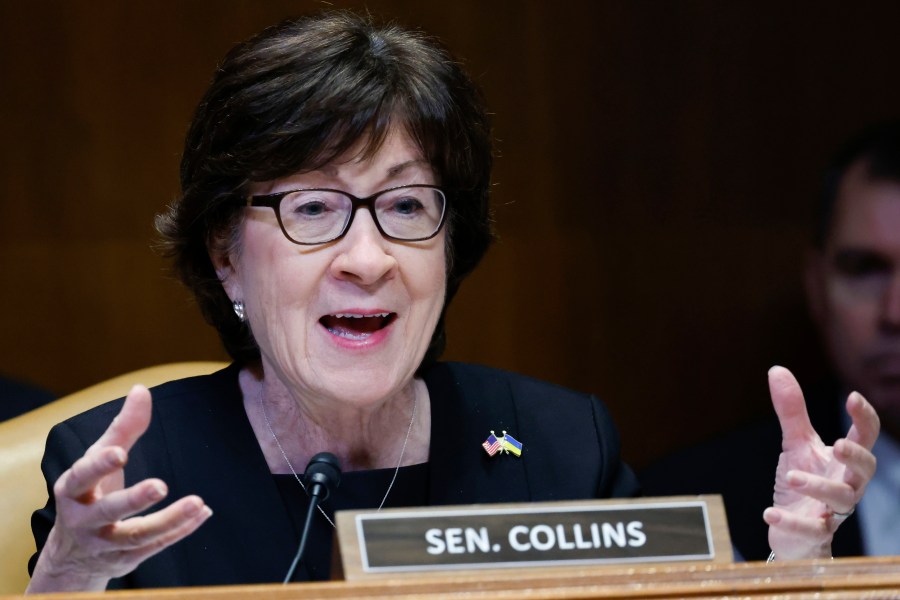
(657, 162)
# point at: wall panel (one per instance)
(656, 163)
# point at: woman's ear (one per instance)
(223, 261)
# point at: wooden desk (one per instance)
(848, 578)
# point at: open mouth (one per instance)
(355, 326)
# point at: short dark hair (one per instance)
(300, 94)
(878, 146)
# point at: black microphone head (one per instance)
(323, 475)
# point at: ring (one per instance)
(838, 515)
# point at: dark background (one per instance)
(656, 167)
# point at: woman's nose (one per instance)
(363, 256)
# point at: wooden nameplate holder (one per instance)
(399, 542)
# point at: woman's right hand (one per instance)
(95, 536)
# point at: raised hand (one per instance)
(95, 536)
(816, 486)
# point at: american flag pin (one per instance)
(506, 444)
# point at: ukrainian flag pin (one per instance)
(506, 444)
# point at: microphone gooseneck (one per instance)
(322, 476)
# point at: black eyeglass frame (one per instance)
(273, 201)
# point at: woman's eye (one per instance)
(407, 206)
(312, 208)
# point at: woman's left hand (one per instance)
(816, 486)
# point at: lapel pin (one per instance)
(506, 444)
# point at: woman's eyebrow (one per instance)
(397, 169)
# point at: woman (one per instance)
(335, 182)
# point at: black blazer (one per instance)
(200, 442)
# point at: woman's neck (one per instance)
(291, 429)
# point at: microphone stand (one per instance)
(323, 473)
(313, 503)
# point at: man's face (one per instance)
(854, 291)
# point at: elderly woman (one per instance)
(335, 194)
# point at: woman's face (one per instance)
(349, 320)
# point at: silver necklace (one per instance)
(412, 419)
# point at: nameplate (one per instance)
(533, 534)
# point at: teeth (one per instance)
(350, 336)
(355, 316)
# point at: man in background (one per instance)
(853, 290)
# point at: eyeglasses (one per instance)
(408, 213)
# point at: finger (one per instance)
(866, 423)
(133, 557)
(127, 548)
(122, 504)
(131, 422)
(160, 529)
(85, 473)
(859, 464)
(793, 537)
(787, 398)
(837, 496)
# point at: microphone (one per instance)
(322, 476)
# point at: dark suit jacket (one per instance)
(200, 442)
(740, 465)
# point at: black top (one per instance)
(358, 490)
(201, 442)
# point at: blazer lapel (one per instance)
(467, 403)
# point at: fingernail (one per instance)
(118, 457)
(841, 448)
(207, 512)
(796, 479)
(158, 490)
(192, 508)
